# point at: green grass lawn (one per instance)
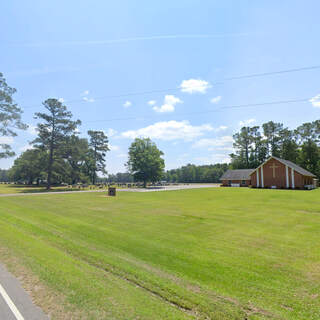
(220, 253)
(15, 188)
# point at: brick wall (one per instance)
(225, 183)
(280, 176)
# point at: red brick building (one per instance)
(281, 174)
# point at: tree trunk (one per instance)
(50, 168)
(144, 183)
(95, 166)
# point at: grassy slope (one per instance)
(211, 253)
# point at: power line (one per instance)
(248, 76)
(254, 75)
(208, 111)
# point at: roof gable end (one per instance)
(288, 163)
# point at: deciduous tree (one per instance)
(29, 166)
(145, 161)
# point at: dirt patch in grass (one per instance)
(313, 271)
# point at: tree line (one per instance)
(59, 155)
(254, 145)
(192, 173)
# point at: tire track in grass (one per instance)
(83, 265)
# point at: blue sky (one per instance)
(91, 54)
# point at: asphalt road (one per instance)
(15, 303)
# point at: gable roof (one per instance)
(239, 174)
(290, 164)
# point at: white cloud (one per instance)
(214, 158)
(127, 104)
(122, 155)
(229, 149)
(195, 86)
(168, 104)
(213, 142)
(6, 140)
(315, 101)
(26, 147)
(114, 148)
(221, 128)
(246, 123)
(88, 99)
(152, 102)
(61, 100)
(169, 130)
(216, 99)
(85, 93)
(32, 129)
(110, 132)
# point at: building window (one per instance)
(243, 182)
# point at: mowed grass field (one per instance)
(219, 253)
(16, 188)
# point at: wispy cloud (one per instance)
(246, 123)
(110, 132)
(26, 147)
(152, 102)
(85, 97)
(88, 99)
(122, 155)
(32, 130)
(42, 71)
(315, 101)
(85, 93)
(220, 128)
(216, 99)
(127, 104)
(114, 147)
(214, 158)
(132, 39)
(214, 142)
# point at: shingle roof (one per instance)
(239, 174)
(295, 167)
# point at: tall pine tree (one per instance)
(10, 117)
(98, 143)
(53, 131)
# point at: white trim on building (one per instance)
(287, 177)
(292, 178)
